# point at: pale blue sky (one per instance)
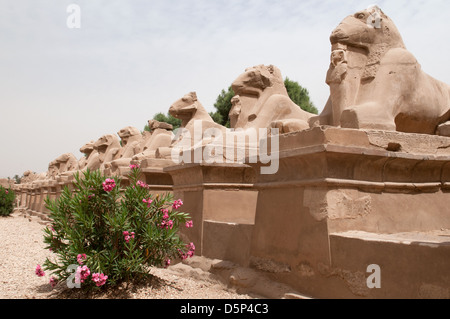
(61, 87)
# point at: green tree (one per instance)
(223, 107)
(300, 96)
(17, 179)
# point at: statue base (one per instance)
(341, 202)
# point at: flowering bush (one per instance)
(109, 235)
(7, 198)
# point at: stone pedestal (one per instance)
(21, 195)
(154, 175)
(34, 197)
(331, 181)
(221, 200)
(29, 191)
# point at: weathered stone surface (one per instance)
(262, 101)
(160, 136)
(444, 129)
(132, 141)
(376, 83)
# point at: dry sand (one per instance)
(22, 248)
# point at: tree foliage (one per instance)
(17, 179)
(223, 107)
(300, 96)
(7, 198)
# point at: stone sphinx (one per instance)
(28, 177)
(90, 160)
(262, 101)
(107, 147)
(53, 170)
(160, 135)
(61, 168)
(65, 164)
(195, 121)
(376, 83)
(132, 140)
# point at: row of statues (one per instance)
(108, 152)
(375, 83)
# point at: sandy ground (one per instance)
(22, 248)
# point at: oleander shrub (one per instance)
(102, 235)
(7, 198)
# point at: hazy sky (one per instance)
(62, 87)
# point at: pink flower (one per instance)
(142, 184)
(82, 273)
(191, 248)
(167, 224)
(53, 282)
(148, 201)
(167, 263)
(133, 166)
(177, 204)
(6, 191)
(81, 258)
(39, 272)
(127, 235)
(189, 253)
(91, 196)
(108, 185)
(189, 224)
(99, 279)
(166, 213)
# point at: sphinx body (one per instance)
(65, 165)
(132, 140)
(27, 177)
(195, 121)
(107, 147)
(160, 136)
(90, 160)
(66, 162)
(376, 83)
(262, 101)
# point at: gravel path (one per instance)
(22, 248)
